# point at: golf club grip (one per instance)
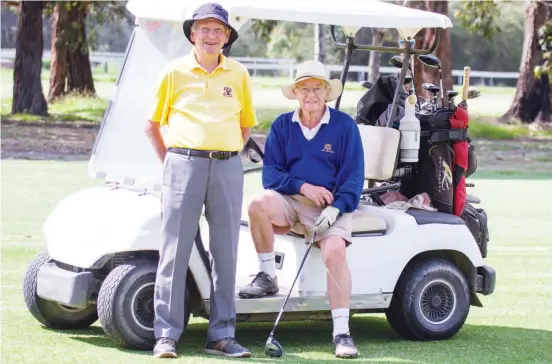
(466, 83)
(293, 284)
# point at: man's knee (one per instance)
(333, 249)
(261, 204)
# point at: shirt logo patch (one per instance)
(327, 148)
(227, 91)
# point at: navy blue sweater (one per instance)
(333, 159)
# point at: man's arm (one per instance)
(248, 117)
(246, 134)
(159, 112)
(350, 178)
(274, 175)
(153, 131)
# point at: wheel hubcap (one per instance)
(142, 306)
(437, 301)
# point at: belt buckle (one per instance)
(211, 154)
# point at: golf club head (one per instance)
(396, 61)
(474, 93)
(452, 93)
(430, 60)
(273, 348)
(430, 87)
(367, 84)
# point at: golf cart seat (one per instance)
(381, 151)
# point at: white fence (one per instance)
(284, 66)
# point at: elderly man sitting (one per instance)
(313, 173)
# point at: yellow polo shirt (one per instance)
(201, 110)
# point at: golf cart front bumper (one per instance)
(486, 280)
(68, 287)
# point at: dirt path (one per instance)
(66, 142)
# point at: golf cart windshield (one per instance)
(123, 154)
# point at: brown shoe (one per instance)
(227, 347)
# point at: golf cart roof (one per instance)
(351, 13)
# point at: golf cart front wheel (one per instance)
(125, 305)
(49, 313)
(431, 301)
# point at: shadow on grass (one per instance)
(377, 342)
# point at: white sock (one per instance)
(267, 263)
(340, 321)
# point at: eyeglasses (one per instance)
(206, 31)
(305, 90)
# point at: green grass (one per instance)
(514, 326)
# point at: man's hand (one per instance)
(319, 195)
(326, 219)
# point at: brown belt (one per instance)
(211, 154)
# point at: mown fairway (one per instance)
(514, 326)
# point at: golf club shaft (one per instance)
(293, 284)
(442, 90)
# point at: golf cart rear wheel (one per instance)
(125, 305)
(52, 314)
(431, 301)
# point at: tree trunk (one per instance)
(28, 96)
(442, 51)
(375, 57)
(79, 70)
(528, 100)
(59, 55)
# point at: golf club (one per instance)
(432, 61)
(272, 347)
(433, 90)
(451, 94)
(473, 93)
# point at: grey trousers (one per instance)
(189, 183)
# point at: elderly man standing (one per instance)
(313, 171)
(204, 100)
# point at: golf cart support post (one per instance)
(102, 241)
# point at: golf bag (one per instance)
(476, 221)
(372, 108)
(445, 157)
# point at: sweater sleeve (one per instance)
(274, 175)
(350, 177)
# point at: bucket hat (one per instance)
(210, 10)
(316, 69)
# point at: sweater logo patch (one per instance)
(327, 148)
(227, 91)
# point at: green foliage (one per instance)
(544, 42)
(263, 28)
(480, 17)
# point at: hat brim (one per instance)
(187, 28)
(336, 88)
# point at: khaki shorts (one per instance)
(301, 213)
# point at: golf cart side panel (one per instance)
(123, 152)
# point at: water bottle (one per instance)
(410, 132)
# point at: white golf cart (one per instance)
(423, 269)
